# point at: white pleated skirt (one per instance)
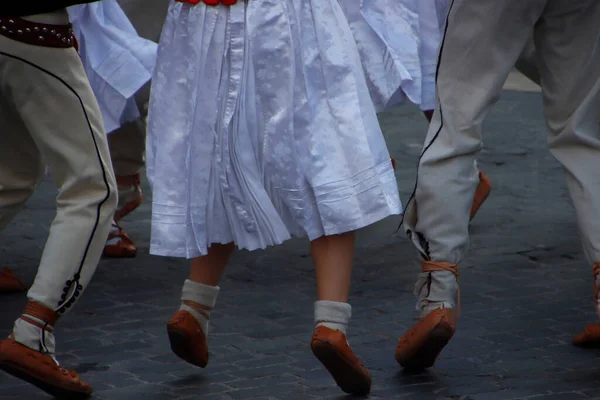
(117, 61)
(261, 127)
(398, 42)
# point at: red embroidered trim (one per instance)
(210, 2)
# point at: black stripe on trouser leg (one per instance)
(422, 238)
(73, 285)
(43, 347)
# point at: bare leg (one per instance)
(208, 269)
(333, 263)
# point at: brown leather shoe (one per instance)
(130, 195)
(123, 248)
(481, 194)
(10, 283)
(589, 338)
(42, 371)
(419, 347)
(591, 334)
(332, 349)
(187, 339)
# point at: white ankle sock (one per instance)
(333, 314)
(203, 295)
(35, 338)
(439, 292)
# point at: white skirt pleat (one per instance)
(261, 127)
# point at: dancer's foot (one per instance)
(332, 349)
(187, 339)
(42, 371)
(9, 282)
(28, 354)
(419, 347)
(118, 244)
(590, 337)
(481, 194)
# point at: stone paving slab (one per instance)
(525, 290)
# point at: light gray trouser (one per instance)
(483, 41)
(49, 117)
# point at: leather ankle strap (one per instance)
(433, 266)
(41, 312)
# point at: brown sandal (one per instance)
(123, 248)
(590, 337)
(9, 283)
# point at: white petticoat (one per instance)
(398, 42)
(117, 61)
(261, 127)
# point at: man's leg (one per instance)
(484, 187)
(567, 39)
(482, 43)
(127, 148)
(527, 65)
(21, 171)
(128, 144)
(49, 92)
(128, 154)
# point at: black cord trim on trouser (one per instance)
(70, 292)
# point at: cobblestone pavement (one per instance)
(525, 290)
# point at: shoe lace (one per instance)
(432, 266)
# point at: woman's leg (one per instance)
(333, 256)
(189, 326)
(208, 269)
